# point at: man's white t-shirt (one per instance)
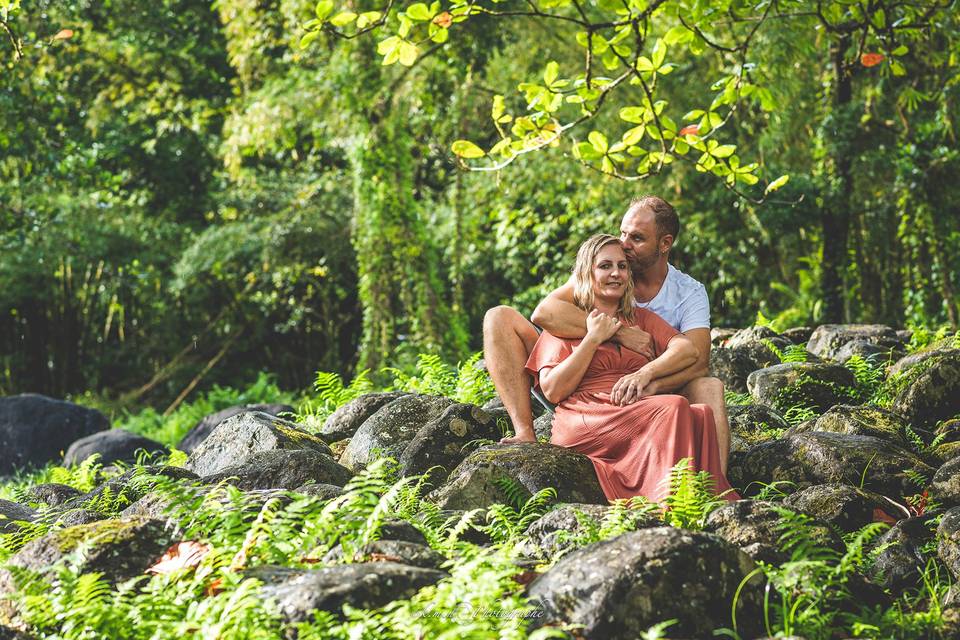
(681, 301)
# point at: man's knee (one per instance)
(705, 388)
(504, 320)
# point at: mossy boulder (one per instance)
(827, 340)
(752, 424)
(283, 469)
(817, 457)
(945, 487)
(442, 442)
(932, 393)
(491, 474)
(127, 488)
(843, 506)
(205, 427)
(388, 431)
(734, 365)
(53, 494)
(235, 440)
(618, 588)
(863, 420)
(345, 421)
(118, 548)
(948, 541)
(299, 593)
(817, 386)
(755, 526)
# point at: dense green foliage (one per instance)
(189, 197)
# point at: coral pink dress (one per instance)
(632, 447)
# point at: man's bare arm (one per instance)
(676, 381)
(558, 314)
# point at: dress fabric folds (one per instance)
(632, 447)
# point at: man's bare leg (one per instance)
(508, 339)
(709, 391)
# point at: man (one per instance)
(648, 231)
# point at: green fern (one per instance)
(690, 496)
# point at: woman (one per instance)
(633, 439)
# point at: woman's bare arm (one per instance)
(560, 381)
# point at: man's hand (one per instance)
(637, 340)
(630, 388)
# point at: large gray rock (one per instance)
(734, 365)
(864, 420)
(620, 587)
(442, 442)
(752, 424)
(120, 549)
(205, 427)
(113, 445)
(283, 469)
(557, 530)
(235, 440)
(822, 458)
(945, 487)
(755, 526)
(867, 350)
(53, 494)
(409, 553)
(300, 592)
(388, 431)
(345, 421)
(933, 392)
(948, 541)
(35, 429)
(845, 507)
(480, 480)
(827, 340)
(815, 385)
(13, 512)
(898, 564)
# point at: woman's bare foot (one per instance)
(518, 438)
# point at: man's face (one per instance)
(638, 233)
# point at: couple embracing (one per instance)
(624, 355)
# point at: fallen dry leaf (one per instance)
(181, 555)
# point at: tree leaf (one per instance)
(599, 141)
(324, 8)
(871, 59)
(551, 73)
(308, 38)
(343, 18)
(776, 184)
(64, 34)
(408, 53)
(419, 11)
(367, 18)
(467, 149)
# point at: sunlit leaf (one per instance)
(467, 149)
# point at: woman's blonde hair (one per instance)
(583, 276)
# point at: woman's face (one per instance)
(611, 272)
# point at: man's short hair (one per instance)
(665, 216)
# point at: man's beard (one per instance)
(639, 264)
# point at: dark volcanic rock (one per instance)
(827, 340)
(948, 541)
(620, 587)
(933, 393)
(13, 512)
(480, 479)
(556, 530)
(322, 491)
(388, 431)
(409, 553)
(898, 565)
(945, 487)
(846, 507)
(756, 526)
(53, 494)
(345, 421)
(734, 365)
(113, 445)
(35, 429)
(817, 385)
(753, 424)
(282, 469)
(865, 420)
(131, 485)
(442, 442)
(235, 440)
(824, 458)
(370, 585)
(205, 427)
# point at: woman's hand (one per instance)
(630, 388)
(601, 327)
